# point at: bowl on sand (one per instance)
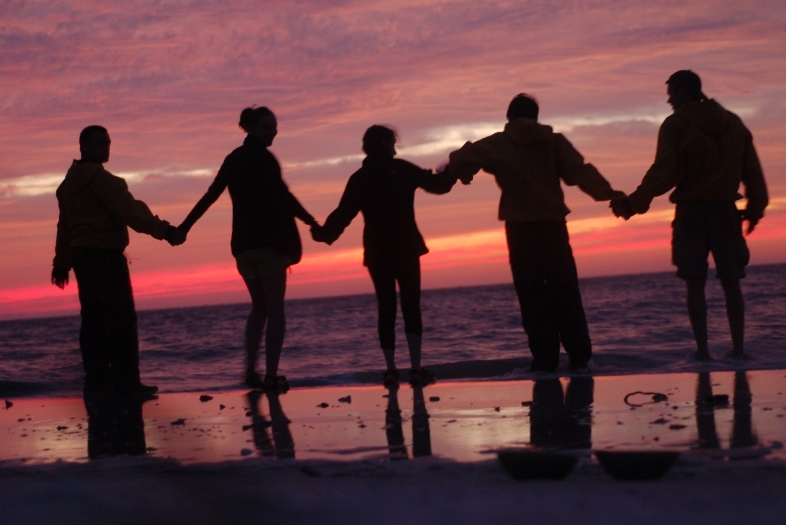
(536, 464)
(636, 464)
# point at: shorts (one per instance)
(257, 262)
(701, 227)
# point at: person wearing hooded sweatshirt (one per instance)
(528, 161)
(703, 153)
(383, 189)
(96, 210)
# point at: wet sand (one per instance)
(366, 454)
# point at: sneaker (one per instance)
(275, 384)
(390, 377)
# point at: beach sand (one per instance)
(363, 454)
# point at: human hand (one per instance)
(174, 236)
(753, 220)
(318, 233)
(60, 277)
(621, 207)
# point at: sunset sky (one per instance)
(169, 79)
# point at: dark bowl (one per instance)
(634, 465)
(535, 464)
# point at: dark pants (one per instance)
(547, 285)
(385, 276)
(108, 336)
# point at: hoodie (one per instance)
(95, 210)
(704, 152)
(528, 161)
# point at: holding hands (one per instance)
(621, 207)
(174, 236)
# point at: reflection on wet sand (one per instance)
(742, 435)
(115, 426)
(421, 434)
(281, 446)
(560, 421)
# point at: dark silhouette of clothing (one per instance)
(385, 275)
(528, 161)
(114, 426)
(263, 209)
(96, 210)
(383, 189)
(108, 335)
(547, 285)
(562, 421)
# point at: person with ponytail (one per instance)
(265, 239)
(383, 189)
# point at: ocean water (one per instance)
(638, 324)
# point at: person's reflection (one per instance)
(742, 431)
(281, 445)
(393, 431)
(114, 425)
(742, 435)
(562, 421)
(705, 413)
(421, 433)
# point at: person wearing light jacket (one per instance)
(704, 152)
(96, 210)
(528, 161)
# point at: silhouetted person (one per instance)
(528, 161)
(115, 426)
(703, 153)
(265, 239)
(96, 210)
(383, 189)
(282, 446)
(562, 422)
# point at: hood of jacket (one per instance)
(709, 116)
(524, 130)
(80, 174)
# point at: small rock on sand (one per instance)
(205, 398)
(246, 451)
(526, 403)
(221, 407)
(322, 405)
(8, 404)
(434, 399)
(347, 399)
(181, 421)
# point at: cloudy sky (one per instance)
(169, 79)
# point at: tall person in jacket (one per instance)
(383, 189)
(528, 161)
(704, 152)
(96, 210)
(265, 239)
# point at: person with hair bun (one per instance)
(265, 239)
(383, 189)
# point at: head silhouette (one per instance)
(380, 141)
(523, 106)
(94, 144)
(260, 123)
(684, 86)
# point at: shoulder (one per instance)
(406, 166)
(105, 178)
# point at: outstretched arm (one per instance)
(348, 208)
(755, 187)
(211, 195)
(438, 183)
(467, 161)
(572, 169)
(662, 175)
(61, 264)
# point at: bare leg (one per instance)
(697, 312)
(275, 288)
(414, 342)
(735, 311)
(255, 326)
(390, 357)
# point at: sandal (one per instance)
(390, 377)
(275, 383)
(420, 377)
(254, 380)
